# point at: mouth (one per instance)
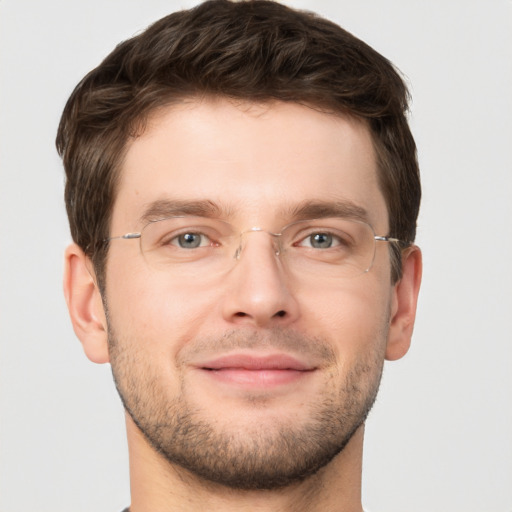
(250, 370)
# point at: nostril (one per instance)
(241, 314)
(280, 313)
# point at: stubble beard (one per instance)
(258, 457)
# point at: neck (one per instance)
(159, 486)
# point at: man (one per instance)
(242, 189)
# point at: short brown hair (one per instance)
(255, 50)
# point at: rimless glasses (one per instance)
(193, 246)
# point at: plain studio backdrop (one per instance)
(440, 436)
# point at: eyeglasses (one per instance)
(190, 246)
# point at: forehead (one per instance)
(254, 161)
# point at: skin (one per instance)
(258, 162)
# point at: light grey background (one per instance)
(440, 436)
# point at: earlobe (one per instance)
(85, 306)
(404, 301)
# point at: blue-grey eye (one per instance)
(321, 240)
(191, 240)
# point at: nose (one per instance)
(258, 287)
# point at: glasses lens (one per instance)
(333, 248)
(180, 244)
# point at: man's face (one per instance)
(259, 377)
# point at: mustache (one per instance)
(277, 339)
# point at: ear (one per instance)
(404, 301)
(85, 305)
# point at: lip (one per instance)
(256, 362)
(256, 371)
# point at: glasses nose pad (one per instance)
(238, 251)
(241, 244)
(276, 240)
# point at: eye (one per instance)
(320, 240)
(191, 240)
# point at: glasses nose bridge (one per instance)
(276, 238)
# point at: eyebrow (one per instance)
(311, 209)
(174, 207)
(323, 209)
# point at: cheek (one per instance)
(159, 315)
(354, 317)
